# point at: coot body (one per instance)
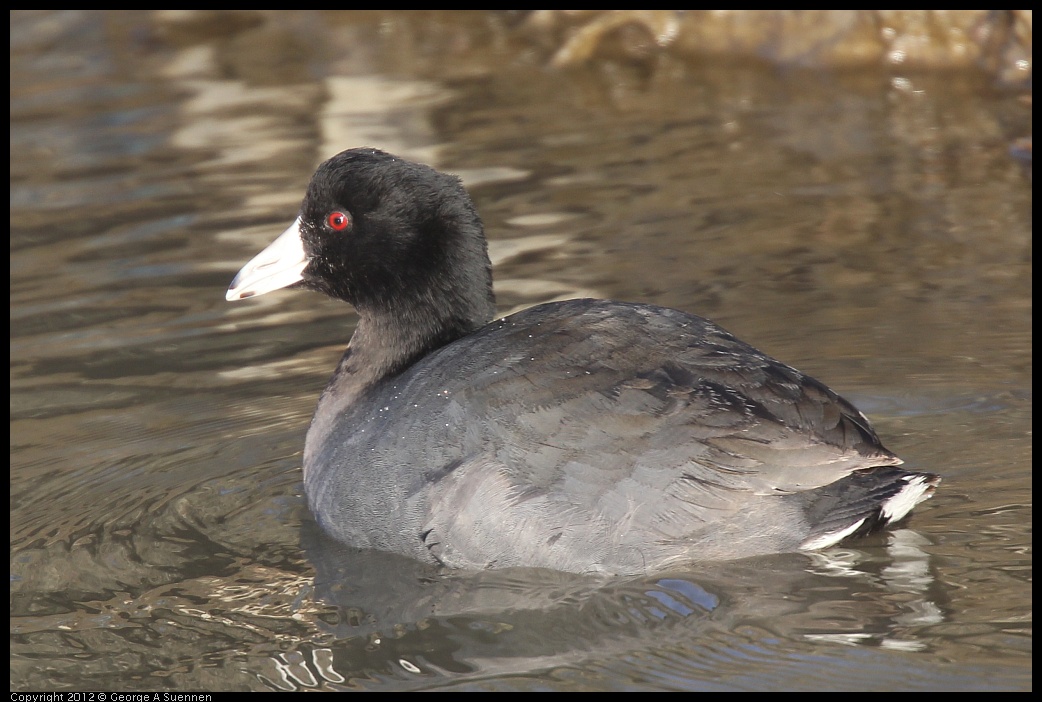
(585, 435)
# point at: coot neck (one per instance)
(391, 336)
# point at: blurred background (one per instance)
(848, 191)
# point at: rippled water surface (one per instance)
(870, 230)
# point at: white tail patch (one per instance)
(893, 509)
(919, 488)
(830, 539)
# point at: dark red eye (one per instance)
(338, 221)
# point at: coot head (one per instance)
(394, 238)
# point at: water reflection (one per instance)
(408, 618)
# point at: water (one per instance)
(872, 232)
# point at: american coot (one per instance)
(585, 436)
